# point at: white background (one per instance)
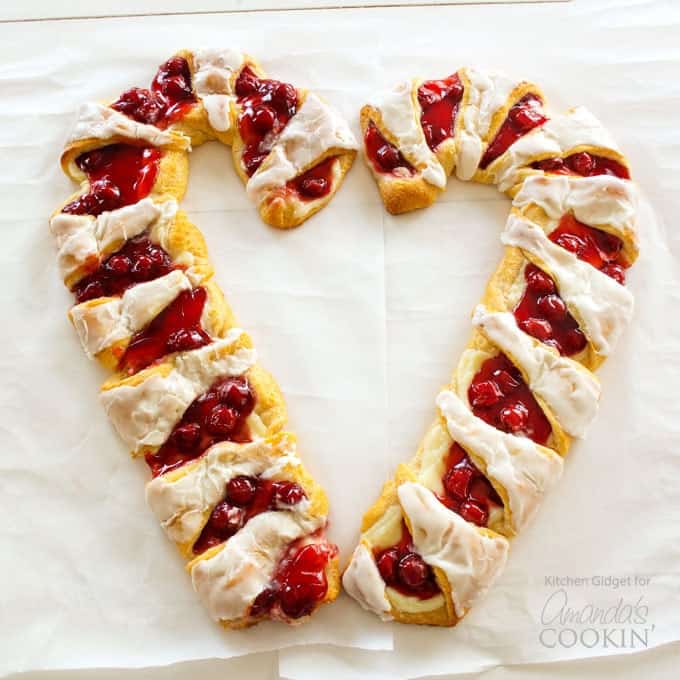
(360, 317)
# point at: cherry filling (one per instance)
(119, 174)
(405, 570)
(598, 248)
(266, 108)
(217, 415)
(137, 261)
(524, 116)
(176, 329)
(466, 490)
(543, 314)
(246, 497)
(386, 158)
(584, 164)
(168, 99)
(316, 182)
(499, 396)
(299, 582)
(439, 101)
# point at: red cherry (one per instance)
(538, 281)
(222, 420)
(156, 255)
(140, 104)
(252, 162)
(284, 96)
(241, 490)
(538, 328)
(481, 490)
(387, 564)
(106, 194)
(142, 268)
(505, 381)
(574, 341)
(412, 570)
(234, 393)
(457, 481)
(287, 493)
(246, 84)
(551, 165)
(90, 161)
(175, 66)
(298, 600)
(475, 513)
(263, 602)
(572, 243)
(184, 339)
(609, 246)
(186, 436)
(118, 265)
(92, 290)
(389, 157)
(484, 393)
(525, 117)
(226, 518)
(552, 307)
(264, 118)
(515, 417)
(616, 271)
(176, 87)
(582, 163)
(314, 186)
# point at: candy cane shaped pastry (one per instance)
(186, 394)
(438, 535)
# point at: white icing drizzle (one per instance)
(400, 117)
(599, 200)
(470, 559)
(101, 122)
(228, 582)
(487, 93)
(213, 84)
(144, 414)
(100, 324)
(315, 129)
(363, 582)
(555, 138)
(181, 505)
(82, 238)
(571, 391)
(604, 307)
(525, 470)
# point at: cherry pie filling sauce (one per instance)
(299, 583)
(498, 395)
(403, 569)
(584, 164)
(598, 248)
(316, 183)
(266, 107)
(246, 496)
(466, 490)
(119, 175)
(439, 101)
(168, 100)
(384, 156)
(523, 117)
(217, 415)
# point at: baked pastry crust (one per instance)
(147, 402)
(464, 554)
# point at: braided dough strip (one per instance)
(146, 405)
(466, 558)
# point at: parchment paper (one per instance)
(359, 316)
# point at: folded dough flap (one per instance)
(470, 558)
(183, 499)
(104, 321)
(399, 115)
(602, 202)
(569, 390)
(363, 582)
(82, 240)
(602, 306)
(563, 134)
(315, 132)
(145, 407)
(523, 469)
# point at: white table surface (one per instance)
(661, 662)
